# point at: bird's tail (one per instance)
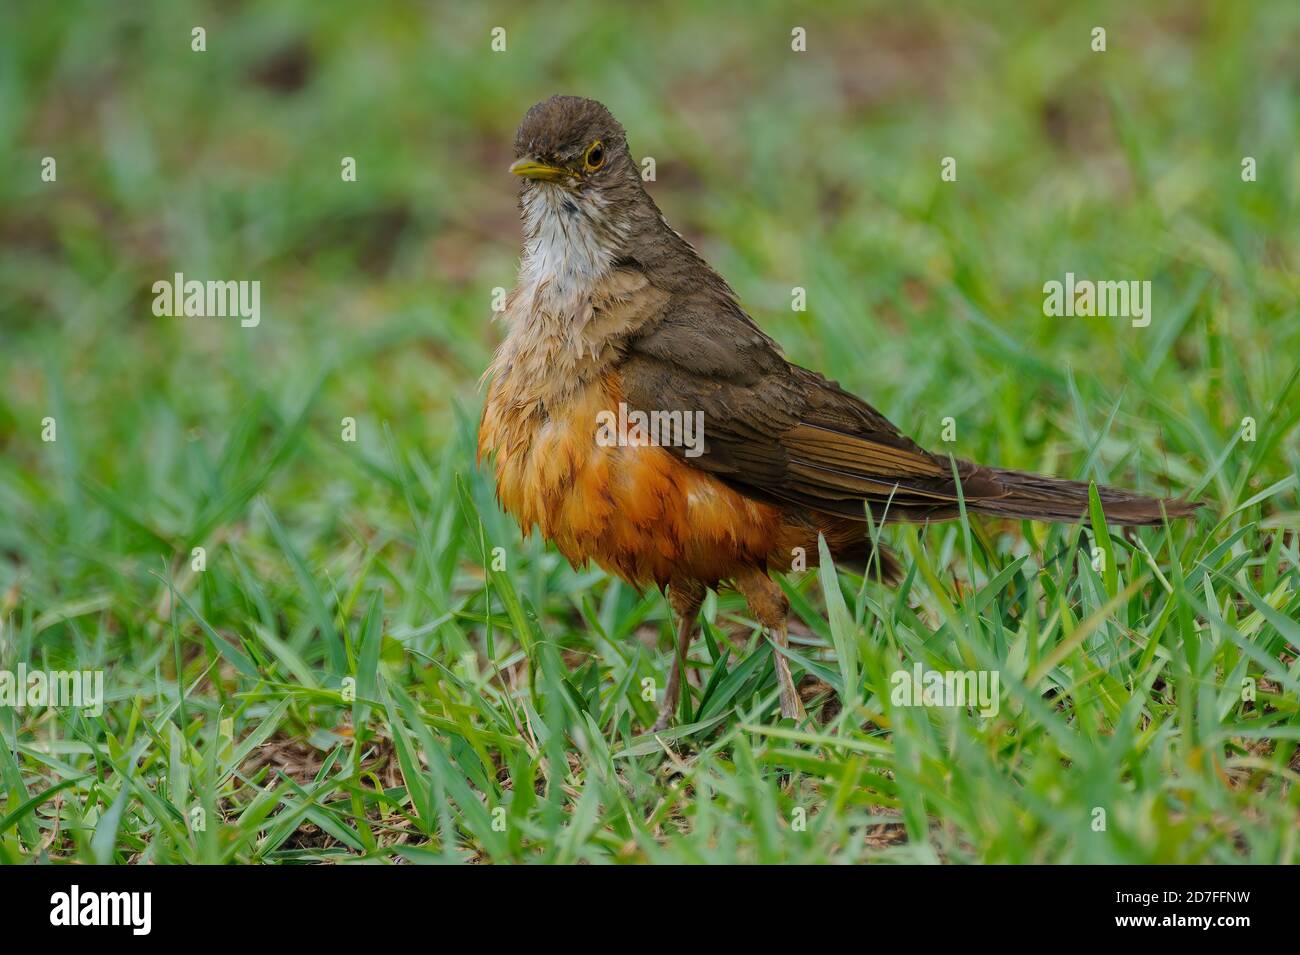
(1041, 498)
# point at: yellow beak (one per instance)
(537, 170)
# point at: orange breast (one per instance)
(637, 511)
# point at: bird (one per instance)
(616, 324)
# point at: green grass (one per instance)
(354, 677)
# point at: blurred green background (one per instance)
(817, 169)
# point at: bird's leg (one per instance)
(770, 607)
(685, 597)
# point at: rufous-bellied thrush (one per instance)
(615, 313)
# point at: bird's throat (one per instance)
(568, 248)
(557, 339)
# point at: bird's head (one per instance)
(581, 198)
(573, 143)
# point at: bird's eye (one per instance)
(595, 157)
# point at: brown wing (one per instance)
(780, 432)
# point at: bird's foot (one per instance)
(792, 707)
(791, 704)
